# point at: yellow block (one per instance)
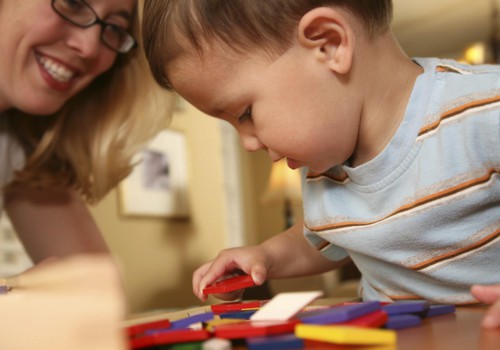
(210, 325)
(345, 334)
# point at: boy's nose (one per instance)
(251, 143)
(87, 41)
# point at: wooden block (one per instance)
(236, 306)
(143, 327)
(275, 342)
(229, 285)
(346, 334)
(374, 319)
(184, 323)
(339, 314)
(403, 321)
(436, 310)
(405, 307)
(168, 337)
(245, 315)
(254, 329)
(210, 325)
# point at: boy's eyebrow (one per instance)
(219, 108)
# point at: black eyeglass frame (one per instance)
(100, 22)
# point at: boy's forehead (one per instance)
(202, 80)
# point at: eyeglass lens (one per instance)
(81, 14)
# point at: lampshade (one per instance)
(283, 184)
(476, 53)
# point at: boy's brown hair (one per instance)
(171, 27)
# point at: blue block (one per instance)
(277, 342)
(238, 314)
(403, 321)
(186, 322)
(405, 307)
(436, 310)
(338, 314)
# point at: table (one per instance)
(458, 331)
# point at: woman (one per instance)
(68, 123)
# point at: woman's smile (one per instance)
(57, 74)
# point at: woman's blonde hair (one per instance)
(88, 145)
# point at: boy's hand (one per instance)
(249, 260)
(489, 295)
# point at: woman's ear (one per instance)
(327, 32)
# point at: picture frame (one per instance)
(157, 186)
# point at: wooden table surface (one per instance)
(458, 331)
(461, 330)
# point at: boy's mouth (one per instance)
(292, 164)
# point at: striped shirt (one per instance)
(422, 219)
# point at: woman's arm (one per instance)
(53, 223)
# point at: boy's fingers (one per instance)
(486, 294)
(218, 269)
(197, 278)
(489, 295)
(259, 274)
(492, 318)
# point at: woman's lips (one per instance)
(57, 75)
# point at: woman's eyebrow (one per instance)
(125, 14)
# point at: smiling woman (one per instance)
(76, 103)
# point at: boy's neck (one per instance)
(387, 76)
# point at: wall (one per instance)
(442, 28)
(158, 256)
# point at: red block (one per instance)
(168, 337)
(375, 319)
(254, 329)
(236, 306)
(229, 285)
(141, 328)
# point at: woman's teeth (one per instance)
(56, 70)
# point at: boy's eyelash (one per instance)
(247, 115)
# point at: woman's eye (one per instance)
(247, 115)
(74, 5)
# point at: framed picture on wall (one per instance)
(157, 187)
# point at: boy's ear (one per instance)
(326, 31)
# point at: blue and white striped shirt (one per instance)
(422, 219)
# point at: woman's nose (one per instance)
(87, 41)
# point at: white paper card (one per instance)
(285, 305)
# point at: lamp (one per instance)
(283, 187)
(486, 52)
(475, 53)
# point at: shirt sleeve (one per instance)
(330, 251)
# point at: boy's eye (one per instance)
(247, 115)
